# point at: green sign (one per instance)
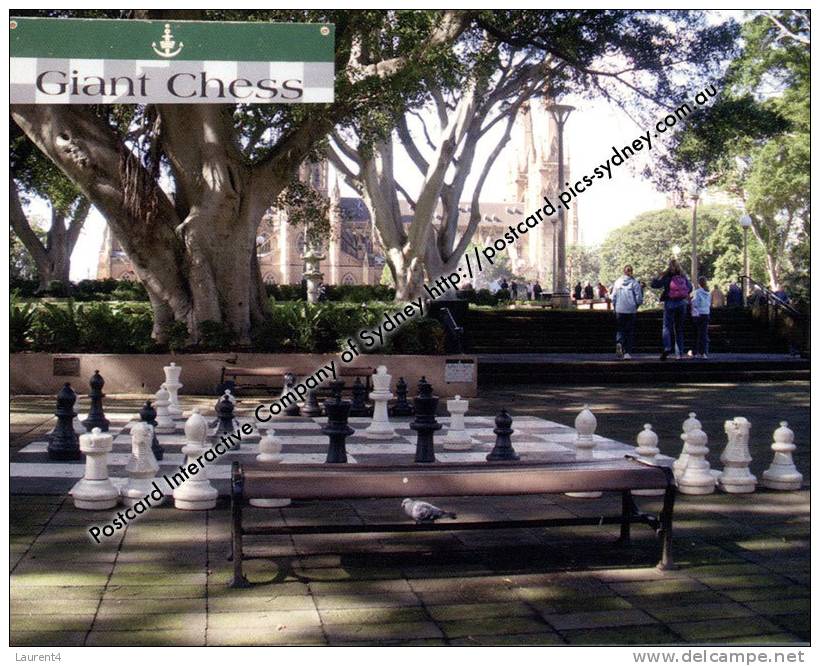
(100, 61)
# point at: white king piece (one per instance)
(195, 493)
(270, 449)
(380, 427)
(172, 384)
(782, 474)
(95, 490)
(736, 477)
(457, 438)
(585, 425)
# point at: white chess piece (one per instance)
(585, 425)
(457, 438)
(782, 473)
(172, 384)
(380, 427)
(95, 490)
(736, 477)
(142, 466)
(696, 478)
(679, 465)
(165, 424)
(195, 493)
(648, 450)
(270, 449)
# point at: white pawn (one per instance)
(270, 449)
(380, 427)
(680, 464)
(172, 384)
(195, 493)
(782, 474)
(696, 478)
(142, 466)
(95, 490)
(648, 450)
(585, 425)
(165, 424)
(736, 477)
(457, 438)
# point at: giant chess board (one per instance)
(534, 439)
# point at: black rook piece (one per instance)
(337, 429)
(425, 424)
(290, 382)
(336, 388)
(311, 406)
(96, 417)
(63, 443)
(503, 449)
(358, 407)
(402, 407)
(149, 415)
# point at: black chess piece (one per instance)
(290, 381)
(402, 406)
(63, 443)
(311, 406)
(337, 429)
(425, 424)
(96, 416)
(503, 449)
(225, 418)
(358, 406)
(336, 388)
(149, 415)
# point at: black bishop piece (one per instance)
(149, 415)
(425, 424)
(337, 429)
(503, 449)
(63, 443)
(402, 407)
(358, 406)
(96, 416)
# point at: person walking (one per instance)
(576, 293)
(734, 297)
(536, 291)
(701, 302)
(589, 293)
(675, 296)
(627, 295)
(718, 300)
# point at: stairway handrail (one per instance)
(774, 298)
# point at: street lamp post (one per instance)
(560, 293)
(745, 222)
(694, 193)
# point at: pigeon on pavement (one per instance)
(424, 512)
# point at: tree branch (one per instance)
(19, 222)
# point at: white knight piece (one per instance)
(195, 493)
(95, 490)
(142, 466)
(736, 477)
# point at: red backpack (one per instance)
(678, 288)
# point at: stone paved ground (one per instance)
(744, 577)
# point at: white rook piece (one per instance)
(782, 474)
(457, 438)
(736, 477)
(270, 449)
(142, 466)
(172, 385)
(165, 424)
(196, 493)
(689, 424)
(585, 425)
(380, 427)
(648, 450)
(95, 490)
(696, 478)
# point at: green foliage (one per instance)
(349, 293)
(177, 334)
(21, 263)
(417, 336)
(584, 264)
(84, 290)
(21, 319)
(215, 335)
(56, 328)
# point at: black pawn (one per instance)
(225, 418)
(149, 415)
(358, 407)
(503, 449)
(63, 443)
(96, 416)
(336, 388)
(425, 424)
(290, 382)
(402, 406)
(337, 429)
(311, 406)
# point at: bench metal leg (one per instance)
(628, 512)
(238, 580)
(665, 531)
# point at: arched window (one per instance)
(348, 279)
(263, 244)
(129, 275)
(269, 278)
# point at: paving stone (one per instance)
(765, 639)
(47, 638)
(477, 611)
(287, 619)
(416, 642)
(375, 615)
(36, 592)
(766, 593)
(61, 579)
(165, 580)
(653, 634)
(283, 589)
(592, 619)
(474, 596)
(153, 592)
(61, 623)
(780, 606)
(151, 622)
(257, 603)
(581, 604)
(48, 606)
(392, 600)
(490, 626)
(798, 624)
(734, 582)
(267, 636)
(379, 632)
(672, 586)
(700, 612)
(360, 587)
(170, 638)
(712, 630)
(140, 607)
(541, 638)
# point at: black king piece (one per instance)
(503, 449)
(63, 443)
(337, 429)
(425, 424)
(149, 415)
(96, 416)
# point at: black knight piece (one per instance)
(63, 443)
(402, 406)
(425, 424)
(96, 416)
(358, 407)
(311, 406)
(503, 449)
(337, 429)
(149, 415)
(290, 381)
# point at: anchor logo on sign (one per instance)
(167, 44)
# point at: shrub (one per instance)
(417, 336)
(58, 289)
(215, 336)
(21, 320)
(176, 332)
(55, 327)
(483, 297)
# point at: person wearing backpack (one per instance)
(675, 298)
(627, 295)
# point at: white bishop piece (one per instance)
(142, 466)
(165, 424)
(648, 450)
(696, 478)
(95, 490)
(172, 384)
(782, 474)
(736, 477)
(195, 493)
(679, 465)
(585, 425)
(270, 449)
(380, 427)
(457, 438)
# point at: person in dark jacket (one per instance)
(576, 293)
(589, 293)
(675, 298)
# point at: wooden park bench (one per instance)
(237, 378)
(368, 481)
